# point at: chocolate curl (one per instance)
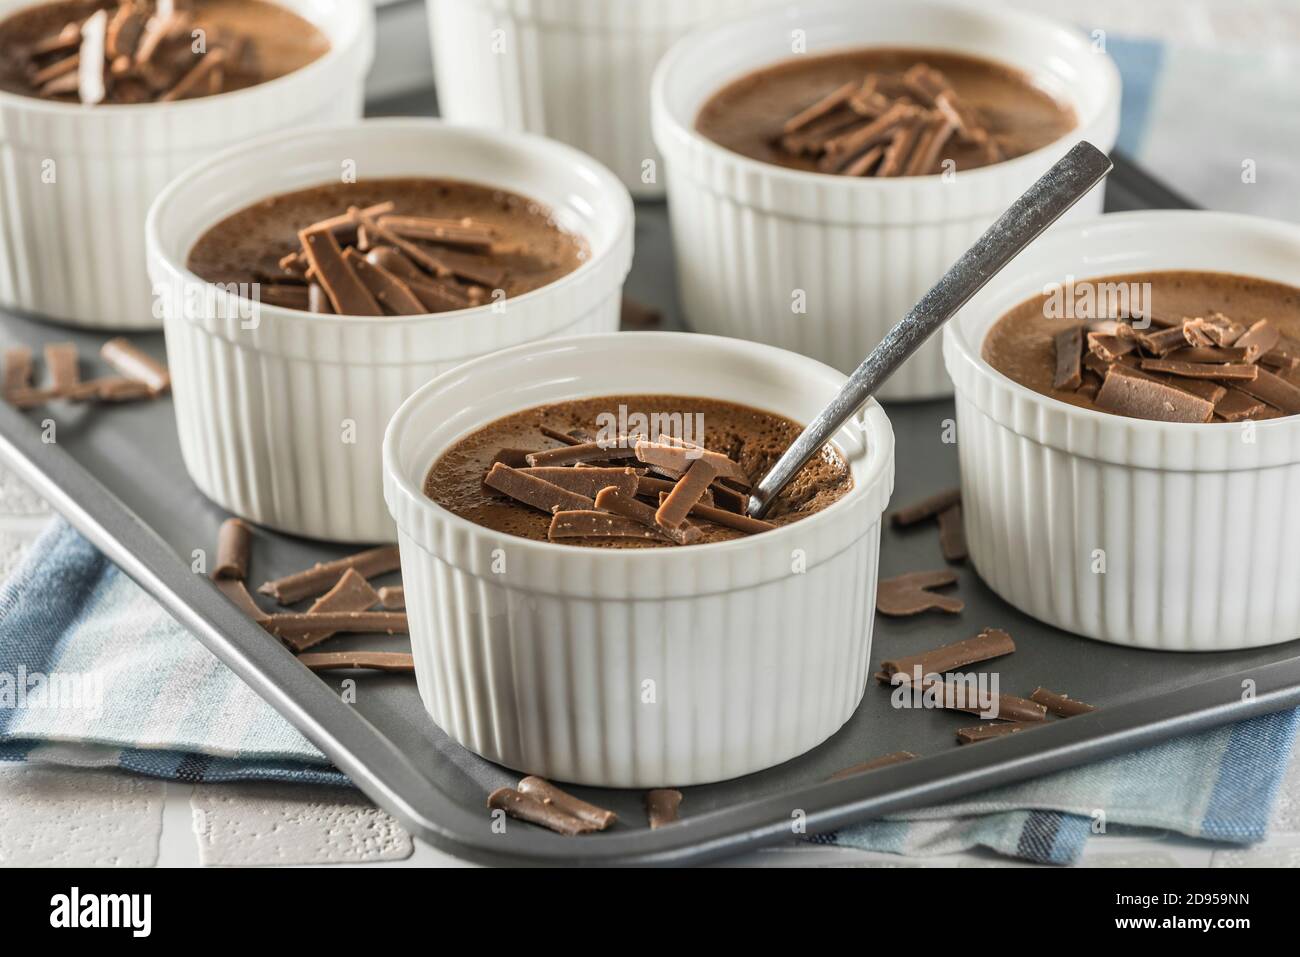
(17, 370)
(586, 523)
(236, 591)
(352, 594)
(661, 807)
(234, 543)
(927, 507)
(321, 578)
(392, 597)
(546, 792)
(612, 500)
(910, 594)
(65, 373)
(1060, 705)
(989, 643)
(685, 495)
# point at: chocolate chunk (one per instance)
(994, 729)
(685, 495)
(884, 761)
(879, 130)
(952, 535)
(587, 482)
(530, 490)
(344, 226)
(390, 292)
(395, 661)
(542, 790)
(1069, 356)
(1242, 371)
(1059, 704)
(586, 452)
(347, 294)
(352, 593)
(1257, 340)
(234, 543)
(1274, 390)
(1236, 406)
(528, 808)
(1207, 389)
(1145, 398)
(613, 501)
(894, 162)
(69, 38)
(1210, 354)
(661, 807)
(909, 595)
(392, 598)
(989, 643)
(927, 507)
(566, 438)
(865, 162)
(586, 523)
(292, 626)
(124, 357)
(320, 578)
(17, 370)
(237, 591)
(1219, 329)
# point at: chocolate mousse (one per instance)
(884, 112)
(630, 471)
(144, 51)
(388, 247)
(1204, 347)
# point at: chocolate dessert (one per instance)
(389, 247)
(144, 51)
(884, 112)
(630, 472)
(1206, 347)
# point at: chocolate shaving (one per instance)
(910, 595)
(989, 643)
(234, 543)
(237, 591)
(661, 807)
(1144, 398)
(347, 294)
(1069, 357)
(1061, 705)
(884, 761)
(64, 366)
(130, 361)
(1274, 390)
(392, 597)
(1211, 354)
(533, 491)
(1202, 370)
(587, 482)
(1110, 348)
(124, 31)
(685, 495)
(528, 808)
(1163, 342)
(320, 578)
(17, 370)
(292, 626)
(542, 790)
(586, 523)
(394, 661)
(956, 694)
(615, 502)
(831, 101)
(994, 729)
(952, 535)
(927, 507)
(352, 593)
(586, 452)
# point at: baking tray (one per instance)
(116, 474)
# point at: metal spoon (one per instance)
(1042, 204)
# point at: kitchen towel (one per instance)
(93, 672)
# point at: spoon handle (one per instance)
(1041, 205)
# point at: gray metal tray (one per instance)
(116, 473)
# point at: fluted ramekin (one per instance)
(577, 70)
(749, 236)
(281, 413)
(638, 668)
(79, 180)
(1161, 535)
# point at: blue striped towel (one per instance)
(125, 686)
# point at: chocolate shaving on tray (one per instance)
(1202, 370)
(587, 523)
(108, 389)
(1144, 398)
(234, 543)
(237, 591)
(1061, 705)
(64, 367)
(1069, 358)
(525, 807)
(884, 761)
(352, 593)
(587, 482)
(928, 507)
(392, 597)
(685, 495)
(661, 807)
(1274, 390)
(320, 578)
(132, 362)
(952, 535)
(530, 490)
(586, 452)
(994, 729)
(546, 792)
(615, 502)
(989, 643)
(292, 626)
(910, 595)
(395, 661)
(17, 370)
(956, 694)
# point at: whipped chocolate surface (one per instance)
(752, 438)
(789, 112)
(527, 248)
(145, 54)
(1205, 326)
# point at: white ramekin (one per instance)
(577, 70)
(79, 180)
(638, 668)
(749, 236)
(1196, 524)
(282, 423)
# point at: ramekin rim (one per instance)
(955, 339)
(1034, 159)
(878, 432)
(609, 182)
(19, 102)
